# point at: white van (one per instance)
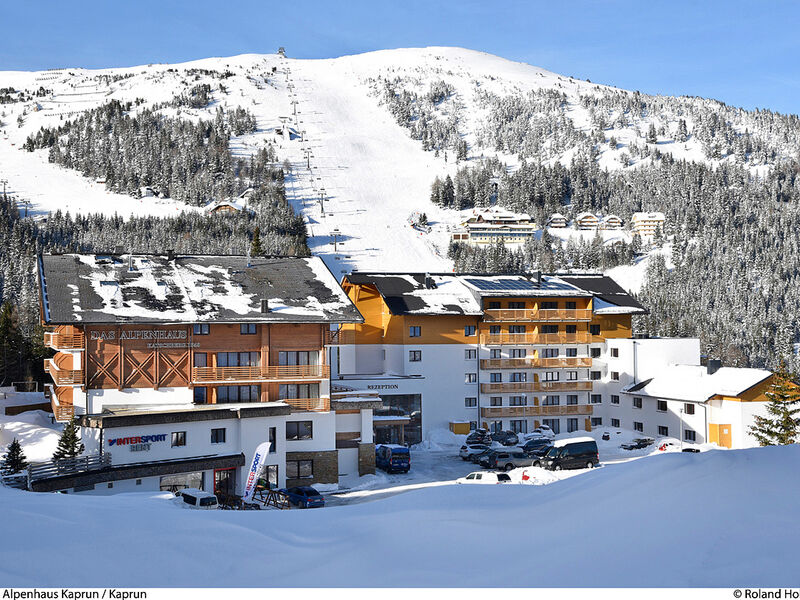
(199, 499)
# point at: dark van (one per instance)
(574, 453)
(392, 458)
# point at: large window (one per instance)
(238, 359)
(248, 328)
(495, 377)
(470, 402)
(551, 400)
(200, 359)
(299, 430)
(572, 352)
(518, 401)
(470, 378)
(549, 328)
(495, 426)
(200, 395)
(469, 330)
(572, 399)
(519, 425)
(218, 436)
(495, 353)
(298, 357)
(572, 305)
(571, 329)
(594, 352)
(178, 438)
(516, 305)
(496, 401)
(661, 406)
(572, 375)
(554, 424)
(551, 375)
(550, 353)
(470, 354)
(299, 469)
(415, 331)
(200, 329)
(689, 435)
(227, 394)
(519, 353)
(594, 329)
(548, 305)
(572, 425)
(173, 483)
(596, 398)
(289, 391)
(519, 377)
(516, 329)
(494, 329)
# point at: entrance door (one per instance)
(720, 434)
(225, 481)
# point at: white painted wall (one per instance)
(99, 399)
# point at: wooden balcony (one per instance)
(63, 376)
(340, 337)
(536, 363)
(309, 404)
(532, 339)
(205, 375)
(62, 411)
(64, 341)
(535, 386)
(543, 315)
(488, 412)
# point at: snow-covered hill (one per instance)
(331, 121)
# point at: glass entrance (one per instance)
(225, 481)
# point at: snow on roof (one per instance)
(648, 216)
(601, 307)
(557, 216)
(585, 215)
(100, 289)
(693, 383)
(229, 202)
(564, 442)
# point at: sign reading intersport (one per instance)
(138, 439)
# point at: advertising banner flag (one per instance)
(255, 470)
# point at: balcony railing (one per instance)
(340, 337)
(269, 373)
(536, 363)
(64, 341)
(529, 314)
(536, 411)
(535, 386)
(309, 404)
(61, 411)
(63, 376)
(493, 339)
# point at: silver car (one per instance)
(506, 461)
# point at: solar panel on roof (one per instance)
(499, 285)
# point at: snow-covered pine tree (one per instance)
(782, 425)
(69, 445)
(14, 459)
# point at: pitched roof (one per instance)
(98, 289)
(693, 383)
(610, 298)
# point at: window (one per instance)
(519, 377)
(551, 401)
(496, 377)
(470, 402)
(550, 353)
(637, 426)
(518, 401)
(519, 353)
(615, 422)
(494, 305)
(572, 425)
(200, 359)
(663, 430)
(299, 430)
(554, 424)
(572, 399)
(238, 359)
(572, 329)
(594, 329)
(272, 440)
(689, 435)
(614, 376)
(597, 421)
(516, 305)
(299, 357)
(200, 329)
(551, 375)
(218, 436)
(572, 375)
(299, 469)
(288, 391)
(248, 328)
(549, 306)
(494, 328)
(596, 399)
(516, 329)
(594, 375)
(572, 352)
(138, 482)
(414, 355)
(200, 395)
(415, 331)
(549, 328)
(238, 393)
(470, 354)
(614, 399)
(469, 330)
(110, 484)
(495, 353)
(496, 426)
(688, 408)
(519, 425)
(594, 352)
(572, 305)
(470, 377)
(496, 401)
(178, 438)
(615, 353)
(473, 425)
(661, 406)
(637, 403)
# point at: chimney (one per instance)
(537, 276)
(713, 365)
(170, 254)
(264, 305)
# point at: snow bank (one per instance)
(34, 430)
(441, 439)
(672, 520)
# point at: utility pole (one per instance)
(336, 233)
(308, 155)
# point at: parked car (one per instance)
(544, 431)
(572, 453)
(538, 454)
(606, 436)
(484, 477)
(511, 460)
(479, 436)
(392, 458)
(668, 444)
(507, 438)
(637, 444)
(199, 499)
(531, 445)
(486, 459)
(467, 450)
(691, 449)
(477, 458)
(304, 496)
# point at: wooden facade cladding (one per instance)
(536, 363)
(536, 386)
(488, 412)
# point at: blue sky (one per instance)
(743, 53)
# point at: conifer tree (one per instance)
(14, 459)
(255, 247)
(782, 425)
(69, 445)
